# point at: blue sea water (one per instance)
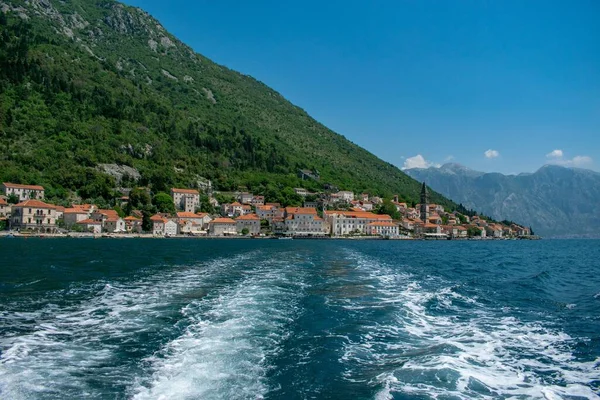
(303, 319)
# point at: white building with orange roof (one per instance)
(222, 227)
(186, 199)
(35, 215)
(201, 220)
(162, 226)
(303, 221)
(23, 192)
(383, 228)
(71, 216)
(269, 212)
(133, 224)
(90, 225)
(250, 222)
(346, 222)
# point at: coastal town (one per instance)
(336, 214)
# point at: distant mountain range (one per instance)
(556, 201)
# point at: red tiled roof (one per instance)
(248, 217)
(301, 210)
(75, 211)
(360, 214)
(89, 222)
(382, 223)
(222, 221)
(110, 214)
(34, 204)
(3, 202)
(19, 186)
(131, 218)
(186, 191)
(184, 214)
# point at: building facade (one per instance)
(35, 215)
(23, 192)
(186, 199)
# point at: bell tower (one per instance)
(424, 204)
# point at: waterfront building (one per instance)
(35, 215)
(222, 227)
(303, 221)
(250, 222)
(346, 222)
(383, 228)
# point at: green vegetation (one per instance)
(122, 91)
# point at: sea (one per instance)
(299, 319)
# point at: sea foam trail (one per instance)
(438, 343)
(225, 351)
(72, 350)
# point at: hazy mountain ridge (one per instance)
(556, 201)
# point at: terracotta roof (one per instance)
(3, 202)
(19, 186)
(301, 210)
(431, 226)
(157, 218)
(222, 221)
(235, 204)
(248, 217)
(382, 223)
(75, 211)
(89, 222)
(60, 209)
(131, 218)
(186, 191)
(360, 214)
(184, 214)
(82, 206)
(110, 214)
(34, 204)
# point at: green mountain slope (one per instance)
(86, 82)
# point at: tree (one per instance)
(119, 211)
(389, 208)
(164, 203)
(138, 199)
(473, 231)
(13, 198)
(245, 231)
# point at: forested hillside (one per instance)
(89, 82)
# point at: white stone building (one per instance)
(23, 192)
(186, 199)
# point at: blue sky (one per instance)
(501, 86)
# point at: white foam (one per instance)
(224, 352)
(487, 355)
(63, 342)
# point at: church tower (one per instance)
(424, 204)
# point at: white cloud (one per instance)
(449, 158)
(492, 153)
(555, 154)
(418, 161)
(557, 157)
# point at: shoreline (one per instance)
(77, 235)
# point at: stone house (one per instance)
(90, 225)
(250, 222)
(346, 222)
(303, 221)
(222, 227)
(71, 216)
(35, 215)
(133, 224)
(23, 192)
(186, 199)
(4, 207)
(383, 228)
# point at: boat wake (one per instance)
(439, 343)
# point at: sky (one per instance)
(499, 86)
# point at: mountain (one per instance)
(556, 201)
(89, 86)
